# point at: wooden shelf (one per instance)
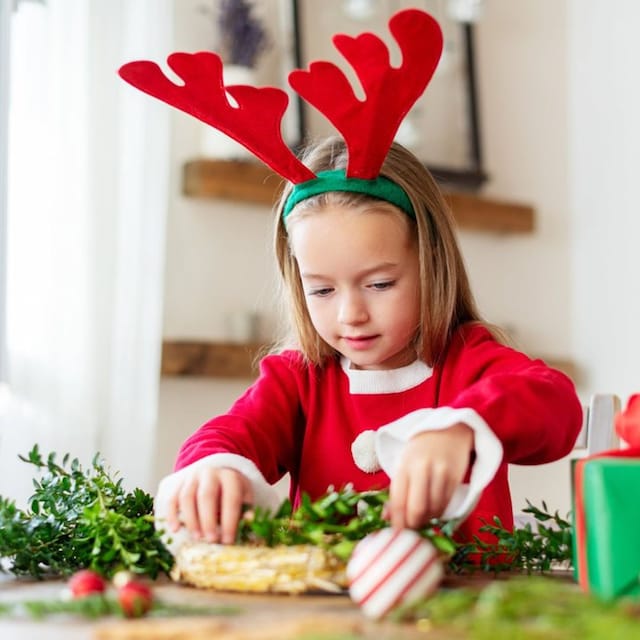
(210, 359)
(240, 180)
(232, 360)
(476, 213)
(249, 181)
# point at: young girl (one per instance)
(392, 380)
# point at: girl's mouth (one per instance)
(359, 342)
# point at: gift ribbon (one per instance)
(628, 422)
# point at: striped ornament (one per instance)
(392, 567)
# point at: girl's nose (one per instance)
(352, 309)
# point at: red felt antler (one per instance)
(254, 123)
(369, 126)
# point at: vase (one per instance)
(214, 143)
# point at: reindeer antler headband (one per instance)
(368, 126)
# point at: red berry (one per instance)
(135, 599)
(86, 582)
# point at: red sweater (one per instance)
(302, 419)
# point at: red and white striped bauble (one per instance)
(392, 567)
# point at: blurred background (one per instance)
(136, 271)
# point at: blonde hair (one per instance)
(445, 294)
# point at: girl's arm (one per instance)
(264, 425)
(532, 409)
(235, 458)
(514, 408)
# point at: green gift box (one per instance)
(607, 524)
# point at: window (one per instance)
(5, 16)
(81, 273)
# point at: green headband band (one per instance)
(336, 180)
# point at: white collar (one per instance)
(367, 381)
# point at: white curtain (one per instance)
(87, 200)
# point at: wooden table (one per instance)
(258, 617)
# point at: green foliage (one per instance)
(524, 608)
(80, 520)
(542, 547)
(336, 522)
(85, 520)
(99, 605)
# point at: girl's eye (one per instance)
(381, 286)
(322, 292)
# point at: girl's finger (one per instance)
(173, 521)
(231, 508)
(398, 500)
(439, 488)
(188, 511)
(208, 501)
(418, 505)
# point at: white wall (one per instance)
(524, 282)
(556, 136)
(521, 51)
(602, 147)
(605, 211)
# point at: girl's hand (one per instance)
(208, 502)
(432, 465)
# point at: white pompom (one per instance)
(364, 452)
(392, 567)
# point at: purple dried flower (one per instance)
(243, 37)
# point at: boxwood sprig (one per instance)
(339, 519)
(336, 522)
(80, 518)
(538, 546)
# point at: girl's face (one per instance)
(360, 275)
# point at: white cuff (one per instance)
(264, 494)
(391, 439)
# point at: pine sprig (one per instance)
(100, 605)
(80, 519)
